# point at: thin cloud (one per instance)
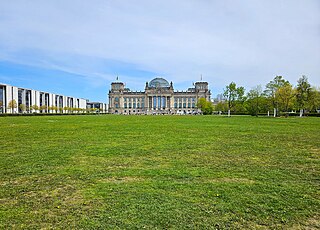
(247, 41)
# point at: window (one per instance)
(163, 102)
(125, 105)
(154, 102)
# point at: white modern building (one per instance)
(97, 107)
(20, 100)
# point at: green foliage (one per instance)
(234, 95)
(255, 100)
(271, 91)
(22, 107)
(285, 97)
(35, 107)
(43, 108)
(67, 109)
(303, 93)
(205, 106)
(314, 99)
(221, 106)
(12, 105)
(159, 172)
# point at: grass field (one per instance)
(185, 172)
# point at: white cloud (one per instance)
(248, 41)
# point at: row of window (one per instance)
(133, 105)
(132, 99)
(184, 105)
(141, 99)
(185, 99)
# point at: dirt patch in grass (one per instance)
(230, 180)
(311, 224)
(127, 179)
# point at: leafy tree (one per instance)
(55, 108)
(35, 107)
(303, 94)
(1, 107)
(12, 105)
(233, 94)
(285, 97)
(44, 108)
(314, 99)
(205, 106)
(22, 107)
(271, 89)
(67, 109)
(254, 100)
(221, 106)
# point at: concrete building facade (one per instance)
(159, 97)
(20, 100)
(97, 107)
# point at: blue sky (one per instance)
(78, 48)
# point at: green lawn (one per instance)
(185, 172)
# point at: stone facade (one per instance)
(158, 97)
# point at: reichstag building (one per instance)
(159, 97)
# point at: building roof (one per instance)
(159, 82)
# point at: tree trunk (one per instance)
(274, 112)
(229, 113)
(301, 112)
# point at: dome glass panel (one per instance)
(159, 83)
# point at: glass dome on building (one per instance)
(159, 83)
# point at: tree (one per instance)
(221, 106)
(314, 99)
(12, 105)
(205, 106)
(35, 108)
(271, 89)
(55, 108)
(1, 107)
(44, 107)
(67, 109)
(285, 97)
(233, 94)
(22, 107)
(254, 100)
(303, 94)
